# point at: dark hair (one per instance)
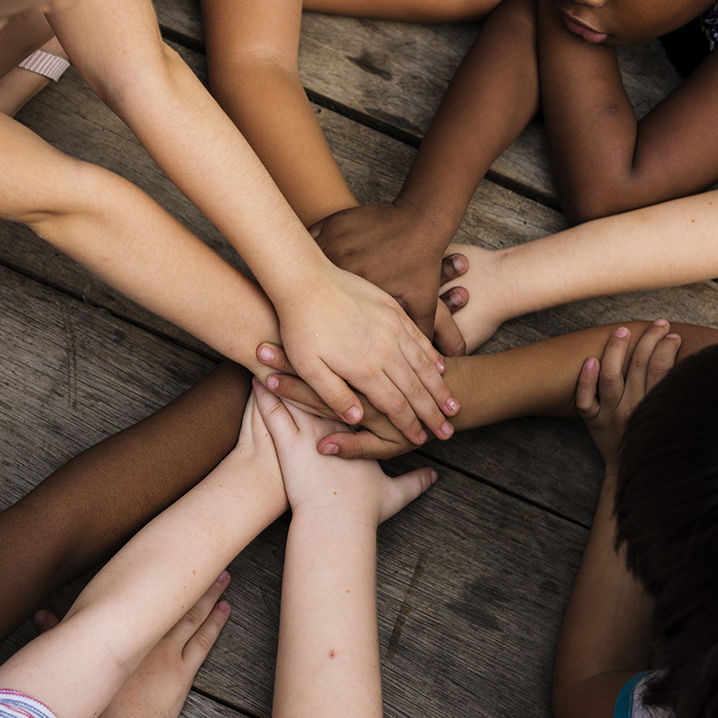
(667, 517)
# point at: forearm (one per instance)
(540, 379)
(163, 571)
(87, 508)
(23, 34)
(328, 655)
(252, 57)
(590, 123)
(664, 245)
(123, 236)
(606, 630)
(189, 137)
(492, 96)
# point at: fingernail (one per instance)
(440, 366)
(223, 577)
(446, 429)
(353, 415)
(434, 476)
(622, 332)
(272, 382)
(223, 606)
(458, 262)
(267, 354)
(590, 363)
(660, 323)
(672, 335)
(40, 619)
(329, 449)
(452, 405)
(422, 436)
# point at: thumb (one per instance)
(447, 336)
(316, 229)
(403, 489)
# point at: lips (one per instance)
(586, 33)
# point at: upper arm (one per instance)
(676, 149)
(593, 697)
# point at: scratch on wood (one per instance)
(366, 63)
(405, 608)
(71, 347)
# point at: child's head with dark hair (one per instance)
(667, 516)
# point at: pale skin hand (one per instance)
(373, 326)
(160, 684)
(606, 633)
(665, 245)
(328, 655)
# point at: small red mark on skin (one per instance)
(332, 653)
(194, 573)
(334, 492)
(348, 591)
(693, 221)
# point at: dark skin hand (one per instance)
(394, 246)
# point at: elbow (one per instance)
(592, 203)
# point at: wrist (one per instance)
(341, 522)
(433, 223)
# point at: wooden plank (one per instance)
(394, 74)
(199, 706)
(71, 375)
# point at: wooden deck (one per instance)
(474, 576)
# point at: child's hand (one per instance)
(396, 248)
(378, 437)
(314, 482)
(344, 329)
(606, 415)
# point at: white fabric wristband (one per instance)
(46, 64)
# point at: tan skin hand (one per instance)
(605, 400)
(393, 246)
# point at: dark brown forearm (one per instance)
(492, 96)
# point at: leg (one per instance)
(94, 503)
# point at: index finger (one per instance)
(359, 445)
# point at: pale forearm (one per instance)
(134, 245)
(328, 656)
(660, 246)
(189, 137)
(492, 96)
(163, 570)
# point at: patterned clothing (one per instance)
(709, 25)
(629, 703)
(14, 704)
